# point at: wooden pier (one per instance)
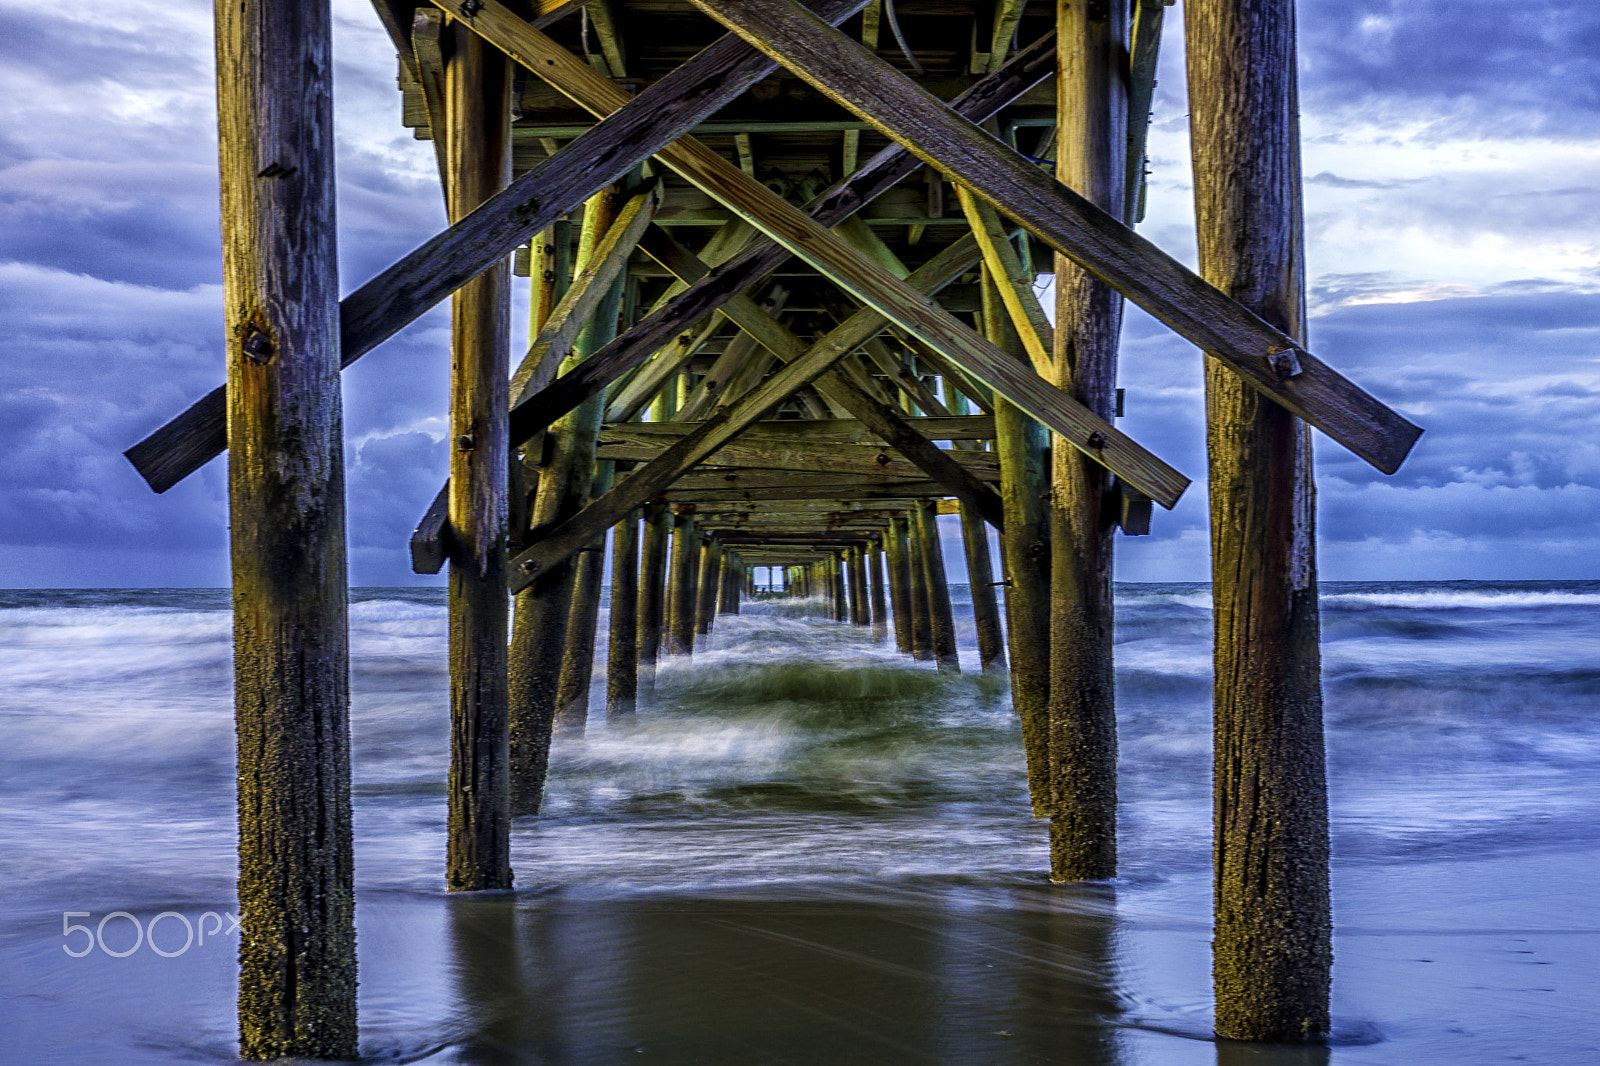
(782, 259)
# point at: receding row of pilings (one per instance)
(297, 953)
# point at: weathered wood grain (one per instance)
(1272, 941)
(477, 135)
(297, 951)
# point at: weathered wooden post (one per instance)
(980, 580)
(577, 661)
(840, 589)
(897, 549)
(477, 100)
(297, 953)
(941, 615)
(652, 594)
(543, 609)
(1271, 952)
(622, 653)
(1091, 149)
(709, 565)
(921, 605)
(681, 586)
(860, 610)
(880, 609)
(1025, 556)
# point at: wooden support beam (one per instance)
(681, 586)
(604, 23)
(430, 541)
(980, 580)
(396, 297)
(806, 455)
(297, 952)
(1271, 948)
(1144, 50)
(880, 607)
(1014, 281)
(1023, 447)
(1007, 13)
(588, 288)
(427, 31)
(622, 665)
(896, 552)
(478, 142)
(1268, 359)
(541, 626)
(652, 595)
(747, 155)
(705, 604)
(925, 527)
(1091, 106)
(835, 430)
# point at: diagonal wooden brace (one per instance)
(906, 113)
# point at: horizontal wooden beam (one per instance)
(905, 112)
(808, 455)
(431, 272)
(862, 490)
(839, 430)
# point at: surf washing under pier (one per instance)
(781, 259)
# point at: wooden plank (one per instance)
(588, 288)
(1007, 14)
(880, 173)
(806, 238)
(1015, 282)
(430, 541)
(403, 292)
(842, 431)
(806, 455)
(604, 23)
(1271, 361)
(297, 950)
(1144, 50)
(427, 26)
(860, 492)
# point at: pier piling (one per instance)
(297, 951)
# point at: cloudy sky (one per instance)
(1452, 156)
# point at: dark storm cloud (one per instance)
(1488, 62)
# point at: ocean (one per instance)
(810, 849)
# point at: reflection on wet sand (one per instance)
(935, 973)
